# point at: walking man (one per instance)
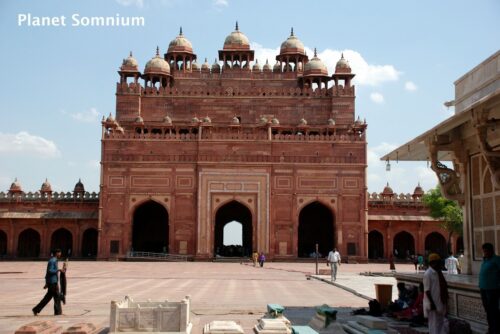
(51, 285)
(435, 296)
(334, 261)
(451, 264)
(489, 286)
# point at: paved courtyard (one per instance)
(230, 291)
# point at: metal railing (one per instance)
(158, 256)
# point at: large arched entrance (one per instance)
(375, 245)
(3, 243)
(436, 243)
(315, 227)
(28, 244)
(150, 228)
(404, 245)
(229, 213)
(89, 243)
(460, 245)
(62, 239)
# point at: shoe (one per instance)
(35, 313)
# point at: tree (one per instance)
(447, 210)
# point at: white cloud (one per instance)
(126, 3)
(377, 98)
(26, 144)
(410, 86)
(87, 116)
(366, 74)
(221, 3)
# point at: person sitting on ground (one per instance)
(415, 312)
(403, 300)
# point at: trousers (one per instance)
(52, 292)
(333, 268)
(438, 324)
(490, 299)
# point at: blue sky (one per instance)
(59, 81)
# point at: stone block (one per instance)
(303, 330)
(84, 328)
(272, 326)
(149, 316)
(371, 322)
(39, 327)
(324, 271)
(222, 327)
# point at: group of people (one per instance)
(258, 258)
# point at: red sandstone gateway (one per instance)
(192, 148)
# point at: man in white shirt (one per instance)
(435, 296)
(451, 264)
(334, 262)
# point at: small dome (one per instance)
(110, 119)
(256, 66)
(263, 120)
(195, 119)
(194, 66)
(79, 188)
(387, 190)
(205, 67)
(46, 187)
(139, 119)
(302, 121)
(235, 120)
(358, 121)
(130, 64)
(157, 65)
(267, 67)
(275, 121)
(315, 66)
(167, 120)
(342, 65)
(236, 40)
(418, 190)
(331, 121)
(180, 44)
(292, 45)
(215, 67)
(15, 187)
(207, 119)
(277, 67)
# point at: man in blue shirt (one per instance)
(51, 280)
(489, 285)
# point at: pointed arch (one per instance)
(435, 242)
(89, 243)
(230, 211)
(404, 245)
(3, 243)
(316, 226)
(150, 227)
(28, 244)
(62, 239)
(375, 245)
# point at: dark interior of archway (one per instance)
(375, 245)
(315, 227)
(89, 243)
(63, 240)
(233, 211)
(28, 244)
(436, 243)
(150, 228)
(3, 243)
(404, 244)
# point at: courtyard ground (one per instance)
(218, 291)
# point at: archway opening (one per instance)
(28, 244)
(150, 228)
(316, 224)
(460, 245)
(231, 213)
(62, 239)
(89, 243)
(375, 245)
(404, 245)
(436, 243)
(3, 243)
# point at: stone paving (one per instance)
(219, 291)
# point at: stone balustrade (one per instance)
(55, 196)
